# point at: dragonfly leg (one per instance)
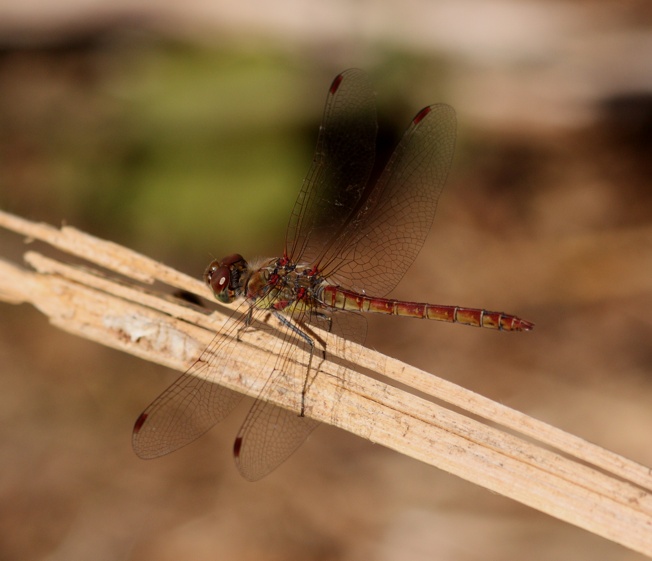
(297, 329)
(247, 323)
(328, 320)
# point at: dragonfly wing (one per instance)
(341, 166)
(268, 437)
(381, 241)
(195, 401)
(270, 434)
(180, 415)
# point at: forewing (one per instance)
(340, 169)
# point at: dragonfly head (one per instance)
(226, 278)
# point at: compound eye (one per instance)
(224, 277)
(231, 260)
(219, 279)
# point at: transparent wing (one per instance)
(365, 236)
(382, 239)
(341, 166)
(271, 434)
(268, 437)
(195, 402)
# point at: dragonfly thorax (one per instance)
(283, 285)
(272, 284)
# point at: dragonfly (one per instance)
(349, 242)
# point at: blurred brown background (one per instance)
(183, 130)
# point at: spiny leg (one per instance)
(247, 322)
(326, 318)
(303, 335)
(307, 328)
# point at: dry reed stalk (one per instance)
(514, 454)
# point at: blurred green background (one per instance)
(168, 144)
(184, 131)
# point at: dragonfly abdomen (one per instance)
(343, 299)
